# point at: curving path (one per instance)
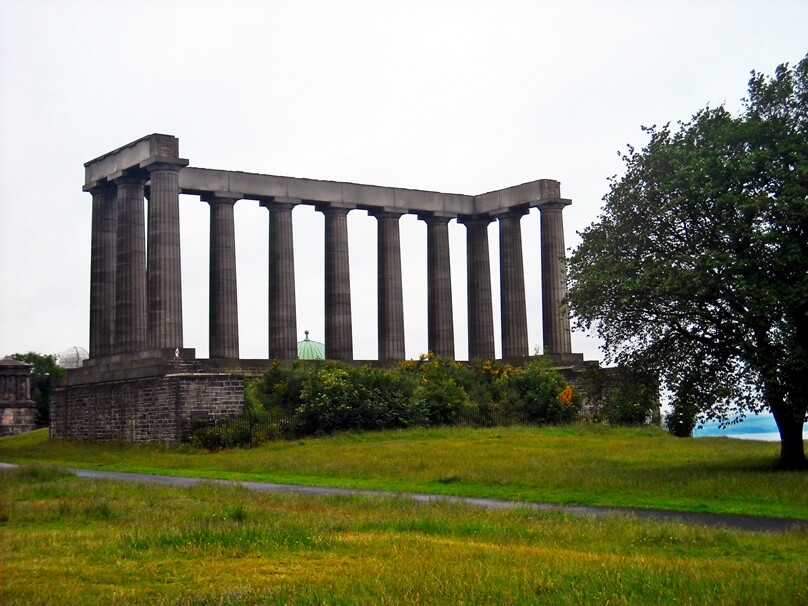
(732, 521)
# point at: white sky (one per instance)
(461, 96)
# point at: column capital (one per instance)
(134, 177)
(155, 163)
(554, 204)
(513, 213)
(435, 219)
(333, 208)
(218, 197)
(278, 203)
(475, 219)
(384, 213)
(100, 188)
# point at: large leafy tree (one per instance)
(697, 267)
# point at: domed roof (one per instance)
(72, 357)
(310, 350)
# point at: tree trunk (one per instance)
(792, 449)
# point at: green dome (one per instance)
(310, 350)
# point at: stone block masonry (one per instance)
(157, 408)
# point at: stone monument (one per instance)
(17, 410)
(141, 384)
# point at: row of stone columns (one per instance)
(136, 297)
(135, 293)
(338, 321)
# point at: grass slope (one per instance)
(581, 464)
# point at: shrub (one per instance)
(535, 394)
(339, 398)
(278, 390)
(622, 395)
(442, 400)
(442, 385)
(682, 419)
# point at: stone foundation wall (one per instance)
(17, 419)
(148, 409)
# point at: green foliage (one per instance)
(622, 396)
(442, 385)
(681, 421)
(44, 371)
(442, 398)
(697, 269)
(249, 430)
(536, 395)
(278, 390)
(332, 396)
(340, 398)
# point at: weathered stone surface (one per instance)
(480, 304)
(150, 409)
(164, 274)
(338, 321)
(390, 288)
(282, 302)
(130, 268)
(17, 410)
(223, 309)
(102, 270)
(512, 286)
(440, 320)
(555, 313)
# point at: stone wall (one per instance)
(17, 419)
(149, 409)
(17, 410)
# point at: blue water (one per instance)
(753, 427)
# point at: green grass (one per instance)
(69, 541)
(583, 464)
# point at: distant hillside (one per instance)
(754, 427)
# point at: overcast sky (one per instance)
(461, 96)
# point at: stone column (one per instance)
(130, 266)
(282, 304)
(102, 270)
(223, 309)
(338, 323)
(164, 273)
(440, 321)
(555, 313)
(478, 272)
(512, 286)
(390, 290)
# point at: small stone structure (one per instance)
(141, 384)
(17, 410)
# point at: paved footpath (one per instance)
(739, 522)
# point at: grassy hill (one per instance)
(64, 540)
(585, 464)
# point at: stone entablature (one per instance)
(157, 148)
(17, 410)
